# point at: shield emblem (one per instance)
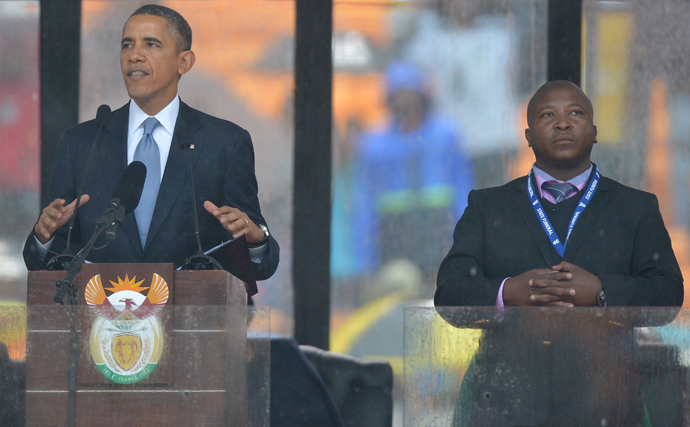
(126, 350)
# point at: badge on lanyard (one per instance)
(544, 220)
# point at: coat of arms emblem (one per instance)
(127, 338)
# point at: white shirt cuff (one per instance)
(258, 254)
(499, 297)
(42, 249)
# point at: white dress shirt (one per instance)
(162, 134)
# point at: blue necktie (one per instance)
(147, 152)
(559, 190)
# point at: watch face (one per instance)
(601, 298)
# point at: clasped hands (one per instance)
(57, 214)
(564, 285)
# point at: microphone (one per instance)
(60, 262)
(102, 116)
(198, 261)
(125, 198)
(128, 191)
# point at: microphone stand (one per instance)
(72, 367)
(66, 286)
(198, 261)
(63, 261)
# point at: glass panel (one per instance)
(555, 367)
(243, 73)
(429, 100)
(180, 365)
(636, 68)
(19, 140)
(259, 367)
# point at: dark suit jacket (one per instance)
(620, 237)
(223, 164)
(518, 379)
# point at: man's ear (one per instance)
(186, 62)
(527, 137)
(595, 134)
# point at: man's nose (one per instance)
(563, 123)
(136, 54)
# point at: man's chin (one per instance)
(136, 90)
(138, 97)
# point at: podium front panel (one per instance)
(583, 366)
(181, 365)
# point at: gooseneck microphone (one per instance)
(124, 200)
(198, 261)
(61, 261)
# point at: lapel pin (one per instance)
(191, 146)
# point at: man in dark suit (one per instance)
(155, 53)
(595, 242)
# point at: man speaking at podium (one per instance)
(154, 54)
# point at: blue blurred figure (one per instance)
(413, 179)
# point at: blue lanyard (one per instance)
(546, 224)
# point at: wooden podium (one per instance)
(200, 376)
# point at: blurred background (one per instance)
(428, 102)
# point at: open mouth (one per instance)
(136, 74)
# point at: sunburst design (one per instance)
(127, 285)
(159, 290)
(94, 293)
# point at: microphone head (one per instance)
(184, 136)
(102, 116)
(129, 189)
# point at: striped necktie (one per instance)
(559, 190)
(148, 153)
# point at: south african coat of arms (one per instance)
(127, 338)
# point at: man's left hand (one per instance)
(236, 222)
(585, 284)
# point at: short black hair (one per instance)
(181, 31)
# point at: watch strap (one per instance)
(262, 241)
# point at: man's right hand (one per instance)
(54, 216)
(553, 289)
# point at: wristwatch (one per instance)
(262, 241)
(601, 298)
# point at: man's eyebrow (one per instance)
(572, 104)
(152, 39)
(148, 39)
(545, 107)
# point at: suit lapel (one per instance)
(532, 223)
(176, 172)
(589, 217)
(112, 157)
(112, 149)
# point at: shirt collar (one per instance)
(579, 181)
(166, 117)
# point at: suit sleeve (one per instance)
(655, 278)
(462, 276)
(241, 191)
(61, 186)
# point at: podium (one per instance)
(191, 354)
(552, 366)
